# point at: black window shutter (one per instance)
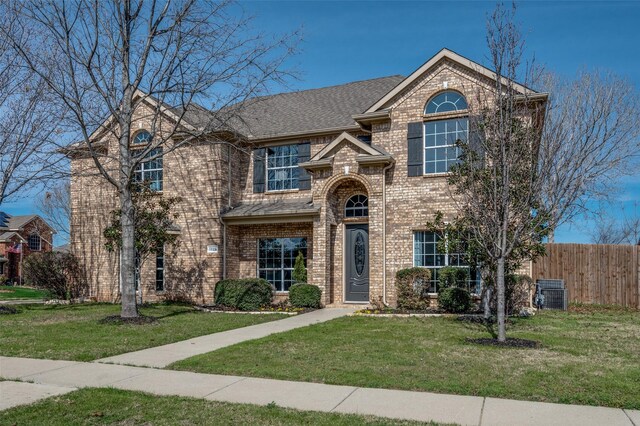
(476, 137)
(304, 154)
(259, 173)
(415, 149)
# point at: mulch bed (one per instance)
(8, 310)
(511, 342)
(139, 320)
(274, 309)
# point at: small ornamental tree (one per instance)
(299, 270)
(153, 223)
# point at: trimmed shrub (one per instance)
(248, 294)
(412, 285)
(454, 299)
(450, 276)
(299, 273)
(57, 272)
(303, 295)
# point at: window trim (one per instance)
(282, 269)
(446, 264)
(366, 207)
(139, 170)
(424, 142)
(267, 168)
(39, 242)
(163, 269)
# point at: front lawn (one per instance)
(111, 406)
(10, 292)
(74, 332)
(588, 356)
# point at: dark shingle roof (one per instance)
(310, 110)
(4, 219)
(275, 208)
(17, 222)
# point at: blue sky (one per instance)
(349, 41)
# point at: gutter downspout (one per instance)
(384, 233)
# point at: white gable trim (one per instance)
(444, 53)
(344, 136)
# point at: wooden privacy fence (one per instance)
(594, 273)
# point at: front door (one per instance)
(356, 257)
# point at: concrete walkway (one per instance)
(58, 377)
(161, 356)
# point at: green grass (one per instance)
(73, 332)
(9, 292)
(591, 356)
(111, 407)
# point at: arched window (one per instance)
(142, 137)
(35, 242)
(149, 170)
(448, 101)
(357, 206)
(442, 136)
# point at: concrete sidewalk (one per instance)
(57, 377)
(161, 356)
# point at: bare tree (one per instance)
(591, 138)
(519, 179)
(55, 207)
(109, 63)
(606, 228)
(26, 127)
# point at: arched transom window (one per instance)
(142, 137)
(442, 136)
(150, 169)
(446, 102)
(357, 206)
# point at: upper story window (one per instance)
(151, 171)
(282, 167)
(357, 206)
(446, 102)
(441, 136)
(142, 137)
(35, 242)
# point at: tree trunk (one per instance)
(127, 264)
(502, 330)
(486, 303)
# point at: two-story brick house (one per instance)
(20, 236)
(348, 175)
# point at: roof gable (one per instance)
(427, 66)
(335, 145)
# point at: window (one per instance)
(282, 167)
(136, 270)
(35, 242)
(142, 137)
(426, 254)
(441, 136)
(151, 171)
(276, 257)
(357, 206)
(160, 269)
(446, 102)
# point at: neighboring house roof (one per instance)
(290, 211)
(4, 218)
(7, 236)
(17, 223)
(64, 248)
(316, 109)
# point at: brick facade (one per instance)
(212, 178)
